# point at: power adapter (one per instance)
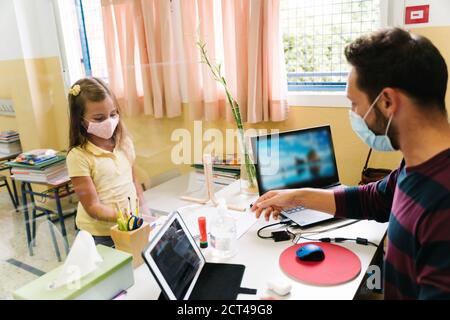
(279, 236)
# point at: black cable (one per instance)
(361, 241)
(332, 228)
(322, 231)
(295, 237)
(284, 222)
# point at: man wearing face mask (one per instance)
(397, 87)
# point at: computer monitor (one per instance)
(295, 159)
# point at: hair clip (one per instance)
(75, 90)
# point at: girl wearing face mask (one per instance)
(100, 159)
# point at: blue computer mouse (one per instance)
(310, 252)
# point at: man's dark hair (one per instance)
(395, 58)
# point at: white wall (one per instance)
(439, 13)
(10, 46)
(27, 30)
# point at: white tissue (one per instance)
(81, 260)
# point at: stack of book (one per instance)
(43, 166)
(226, 170)
(9, 143)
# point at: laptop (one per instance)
(297, 159)
(181, 270)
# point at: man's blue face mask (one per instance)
(376, 142)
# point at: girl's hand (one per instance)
(146, 213)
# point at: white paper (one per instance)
(82, 259)
(190, 215)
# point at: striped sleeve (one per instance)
(369, 202)
(433, 258)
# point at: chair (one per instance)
(48, 203)
(4, 183)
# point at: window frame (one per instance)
(69, 43)
(86, 58)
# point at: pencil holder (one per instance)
(132, 242)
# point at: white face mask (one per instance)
(376, 142)
(104, 129)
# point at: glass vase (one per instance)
(249, 184)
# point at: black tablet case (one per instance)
(217, 281)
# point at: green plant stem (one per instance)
(235, 109)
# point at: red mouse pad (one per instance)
(339, 266)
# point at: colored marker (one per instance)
(119, 212)
(129, 203)
(203, 234)
(127, 215)
(137, 207)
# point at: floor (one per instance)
(17, 267)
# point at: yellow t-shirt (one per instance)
(112, 175)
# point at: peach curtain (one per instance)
(154, 63)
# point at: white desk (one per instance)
(261, 259)
(165, 198)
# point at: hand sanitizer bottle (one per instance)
(223, 235)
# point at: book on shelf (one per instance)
(50, 168)
(37, 156)
(216, 179)
(10, 140)
(9, 135)
(53, 178)
(10, 143)
(227, 163)
(38, 165)
(10, 148)
(57, 167)
(231, 169)
(226, 169)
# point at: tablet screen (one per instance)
(176, 259)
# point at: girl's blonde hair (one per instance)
(93, 90)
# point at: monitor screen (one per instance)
(176, 259)
(303, 158)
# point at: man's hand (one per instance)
(273, 202)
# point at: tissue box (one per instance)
(133, 242)
(112, 276)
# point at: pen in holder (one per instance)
(131, 234)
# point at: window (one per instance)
(92, 38)
(315, 33)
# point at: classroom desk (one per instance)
(53, 192)
(261, 259)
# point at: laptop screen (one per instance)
(176, 259)
(295, 159)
